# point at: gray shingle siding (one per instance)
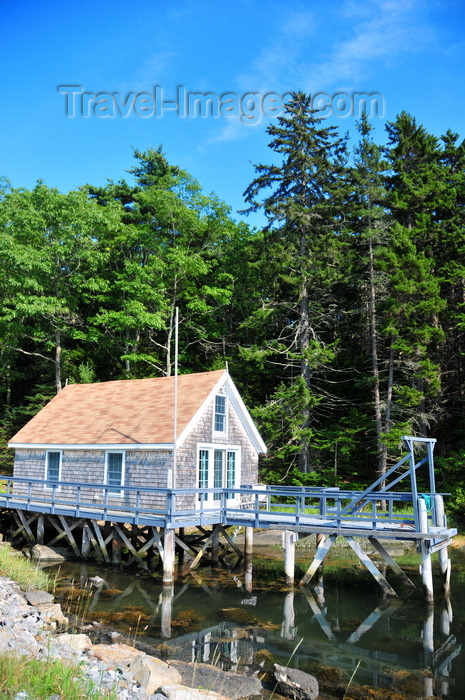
(144, 468)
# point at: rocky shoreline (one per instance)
(32, 625)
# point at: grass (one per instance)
(42, 679)
(25, 573)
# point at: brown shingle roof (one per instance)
(120, 412)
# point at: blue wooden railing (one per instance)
(377, 509)
(264, 506)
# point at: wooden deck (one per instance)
(308, 510)
(379, 512)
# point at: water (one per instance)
(340, 625)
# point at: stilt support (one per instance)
(444, 561)
(289, 539)
(426, 567)
(322, 550)
(374, 571)
(248, 548)
(390, 561)
(168, 559)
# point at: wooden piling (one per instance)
(116, 546)
(85, 542)
(289, 556)
(168, 557)
(215, 546)
(426, 567)
(248, 544)
(166, 608)
(248, 573)
(40, 529)
(444, 562)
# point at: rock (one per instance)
(52, 612)
(207, 676)
(98, 581)
(40, 552)
(295, 684)
(75, 641)
(152, 673)
(119, 654)
(180, 692)
(38, 597)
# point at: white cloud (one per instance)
(390, 29)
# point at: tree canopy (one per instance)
(342, 321)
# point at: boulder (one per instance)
(232, 685)
(152, 673)
(295, 684)
(115, 654)
(180, 692)
(75, 641)
(40, 552)
(52, 612)
(38, 597)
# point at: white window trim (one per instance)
(226, 407)
(123, 472)
(210, 447)
(46, 487)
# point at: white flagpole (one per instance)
(175, 411)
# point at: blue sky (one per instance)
(412, 52)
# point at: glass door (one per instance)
(218, 468)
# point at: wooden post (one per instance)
(319, 588)
(116, 545)
(166, 609)
(248, 574)
(85, 542)
(426, 568)
(168, 557)
(40, 529)
(444, 563)
(289, 556)
(215, 545)
(248, 544)
(181, 535)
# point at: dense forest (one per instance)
(342, 322)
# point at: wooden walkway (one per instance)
(102, 520)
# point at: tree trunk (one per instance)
(58, 384)
(381, 448)
(304, 343)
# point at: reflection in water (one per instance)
(233, 620)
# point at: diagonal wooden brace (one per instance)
(321, 551)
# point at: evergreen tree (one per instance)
(370, 225)
(301, 197)
(415, 185)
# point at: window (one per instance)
(203, 469)
(217, 472)
(115, 471)
(220, 414)
(231, 471)
(52, 467)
